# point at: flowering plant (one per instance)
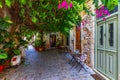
(65, 5)
(102, 12)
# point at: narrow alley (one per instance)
(48, 65)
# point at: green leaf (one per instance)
(22, 12)
(3, 54)
(17, 52)
(30, 4)
(34, 19)
(23, 2)
(104, 1)
(9, 21)
(8, 3)
(1, 5)
(96, 3)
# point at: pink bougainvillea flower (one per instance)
(71, 5)
(63, 4)
(106, 12)
(59, 6)
(100, 14)
(103, 7)
(104, 19)
(83, 23)
(66, 7)
(97, 11)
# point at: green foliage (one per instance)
(17, 52)
(34, 19)
(5, 23)
(22, 12)
(8, 3)
(96, 3)
(1, 5)
(27, 33)
(110, 4)
(23, 2)
(3, 54)
(45, 16)
(39, 43)
(23, 43)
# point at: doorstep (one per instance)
(101, 75)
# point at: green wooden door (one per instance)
(106, 55)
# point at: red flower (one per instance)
(1, 68)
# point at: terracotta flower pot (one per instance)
(37, 48)
(41, 48)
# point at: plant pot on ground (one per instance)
(16, 59)
(39, 45)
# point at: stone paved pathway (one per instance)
(48, 65)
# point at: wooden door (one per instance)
(78, 39)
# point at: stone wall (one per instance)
(87, 39)
(87, 34)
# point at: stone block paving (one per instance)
(47, 65)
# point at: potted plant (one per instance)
(16, 59)
(42, 46)
(39, 45)
(36, 44)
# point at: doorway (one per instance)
(106, 50)
(78, 39)
(52, 40)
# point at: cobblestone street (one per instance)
(48, 65)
